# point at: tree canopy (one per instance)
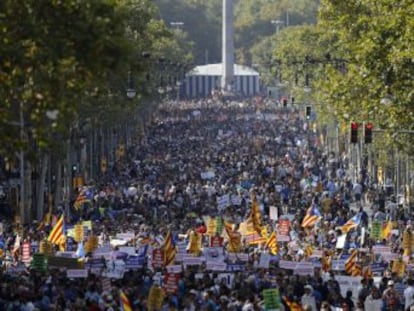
(64, 59)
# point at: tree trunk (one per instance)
(58, 185)
(41, 182)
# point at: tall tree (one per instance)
(376, 37)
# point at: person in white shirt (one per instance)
(373, 301)
(308, 298)
(409, 294)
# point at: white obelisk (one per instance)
(227, 75)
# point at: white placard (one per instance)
(77, 273)
(273, 213)
(349, 283)
(264, 261)
(216, 266)
(340, 242)
(127, 236)
(227, 278)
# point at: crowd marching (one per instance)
(221, 205)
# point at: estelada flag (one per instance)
(352, 223)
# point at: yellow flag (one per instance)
(386, 231)
(194, 244)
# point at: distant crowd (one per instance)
(248, 209)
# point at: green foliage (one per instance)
(376, 37)
(203, 21)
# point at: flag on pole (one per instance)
(125, 303)
(312, 216)
(57, 231)
(352, 223)
(169, 249)
(271, 243)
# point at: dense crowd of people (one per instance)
(204, 162)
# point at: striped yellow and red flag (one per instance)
(351, 262)
(56, 234)
(169, 249)
(357, 269)
(271, 243)
(125, 303)
(292, 305)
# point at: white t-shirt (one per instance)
(408, 296)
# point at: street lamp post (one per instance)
(130, 91)
(22, 194)
(177, 25)
(277, 24)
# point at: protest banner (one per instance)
(63, 262)
(157, 258)
(171, 282)
(376, 230)
(271, 299)
(26, 256)
(39, 262)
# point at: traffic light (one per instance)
(354, 132)
(284, 101)
(368, 133)
(308, 112)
